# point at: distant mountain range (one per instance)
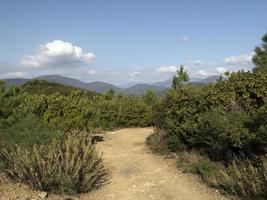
(193, 81)
(101, 87)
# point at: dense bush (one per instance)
(17, 126)
(224, 121)
(61, 111)
(35, 153)
(260, 56)
(10, 101)
(26, 132)
(69, 165)
(223, 118)
(77, 110)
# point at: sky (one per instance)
(128, 41)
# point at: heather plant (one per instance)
(66, 165)
(244, 179)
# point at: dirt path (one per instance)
(137, 174)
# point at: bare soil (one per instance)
(137, 174)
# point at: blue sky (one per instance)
(128, 41)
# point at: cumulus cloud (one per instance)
(205, 73)
(244, 59)
(183, 38)
(221, 70)
(58, 54)
(167, 69)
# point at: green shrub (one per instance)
(63, 112)
(70, 165)
(26, 132)
(208, 170)
(77, 110)
(223, 134)
(224, 118)
(10, 101)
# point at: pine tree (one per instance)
(260, 57)
(180, 78)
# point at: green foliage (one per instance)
(77, 110)
(224, 118)
(209, 171)
(260, 56)
(42, 87)
(10, 101)
(17, 127)
(150, 98)
(222, 134)
(134, 112)
(225, 122)
(109, 94)
(180, 78)
(69, 165)
(63, 112)
(26, 132)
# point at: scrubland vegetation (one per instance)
(224, 124)
(46, 133)
(218, 131)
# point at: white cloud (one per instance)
(243, 60)
(92, 72)
(184, 38)
(57, 54)
(196, 62)
(167, 69)
(135, 73)
(16, 74)
(221, 70)
(13, 74)
(205, 73)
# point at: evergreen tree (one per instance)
(150, 98)
(180, 78)
(260, 57)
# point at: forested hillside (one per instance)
(138, 89)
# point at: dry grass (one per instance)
(245, 180)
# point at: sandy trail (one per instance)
(137, 174)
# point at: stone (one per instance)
(43, 195)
